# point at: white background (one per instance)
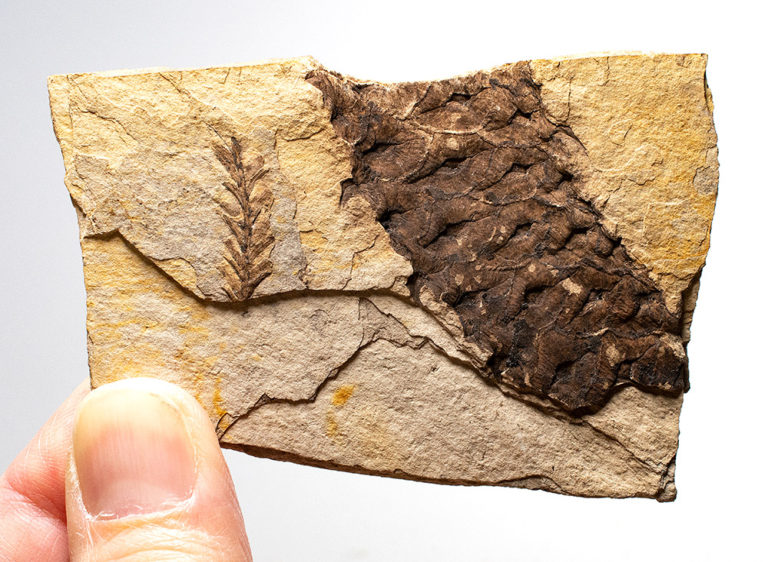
(297, 513)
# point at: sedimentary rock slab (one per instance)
(482, 280)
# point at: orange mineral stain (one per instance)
(342, 394)
(218, 402)
(331, 425)
(338, 399)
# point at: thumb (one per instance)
(147, 480)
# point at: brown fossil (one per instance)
(476, 188)
(247, 259)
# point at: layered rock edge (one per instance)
(274, 238)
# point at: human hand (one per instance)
(130, 471)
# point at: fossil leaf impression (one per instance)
(248, 224)
(487, 279)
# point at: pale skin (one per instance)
(131, 471)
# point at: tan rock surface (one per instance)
(646, 122)
(330, 360)
(139, 151)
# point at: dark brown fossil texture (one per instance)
(477, 188)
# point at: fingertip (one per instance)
(146, 457)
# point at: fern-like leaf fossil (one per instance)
(247, 256)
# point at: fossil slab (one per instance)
(488, 279)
